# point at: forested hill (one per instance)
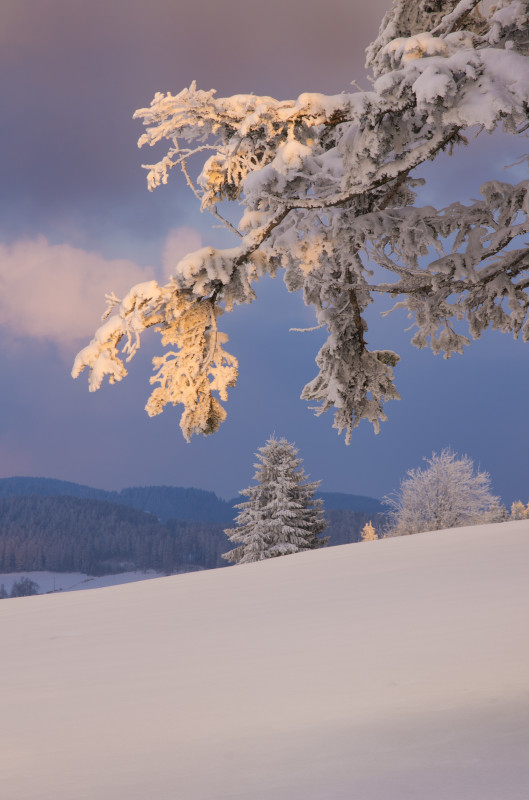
(49, 487)
(165, 502)
(350, 502)
(168, 502)
(73, 534)
(60, 526)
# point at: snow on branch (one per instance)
(455, 17)
(186, 376)
(327, 186)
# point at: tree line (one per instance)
(283, 516)
(72, 534)
(165, 502)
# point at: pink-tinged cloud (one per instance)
(179, 242)
(56, 292)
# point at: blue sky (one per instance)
(77, 221)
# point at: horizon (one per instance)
(163, 486)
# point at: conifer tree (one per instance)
(281, 515)
(368, 533)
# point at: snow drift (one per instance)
(379, 671)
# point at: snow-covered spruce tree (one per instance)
(448, 493)
(327, 184)
(281, 515)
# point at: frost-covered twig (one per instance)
(182, 161)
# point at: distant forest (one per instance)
(166, 502)
(65, 527)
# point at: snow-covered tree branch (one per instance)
(327, 185)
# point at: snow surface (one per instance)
(387, 670)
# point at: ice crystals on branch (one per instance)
(327, 186)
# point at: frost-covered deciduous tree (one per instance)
(327, 185)
(281, 515)
(448, 493)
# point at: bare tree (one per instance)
(24, 587)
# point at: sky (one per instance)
(77, 222)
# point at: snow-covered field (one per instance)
(389, 670)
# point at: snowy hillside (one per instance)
(387, 670)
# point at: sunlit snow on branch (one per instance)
(327, 186)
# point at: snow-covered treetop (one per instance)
(327, 188)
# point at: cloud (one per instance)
(56, 292)
(179, 242)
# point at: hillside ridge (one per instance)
(60, 526)
(169, 502)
